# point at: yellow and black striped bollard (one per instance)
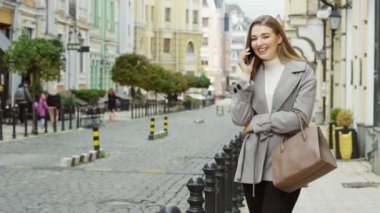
(166, 124)
(151, 129)
(96, 141)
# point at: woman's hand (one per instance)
(247, 130)
(243, 57)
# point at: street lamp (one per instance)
(334, 25)
(72, 44)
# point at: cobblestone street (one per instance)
(136, 176)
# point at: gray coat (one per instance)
(297, 88)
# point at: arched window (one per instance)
(190, 47)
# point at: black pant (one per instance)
(22, 111)
(269, 199)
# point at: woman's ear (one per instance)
(279, 39)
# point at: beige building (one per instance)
(348, 63)
(168, 32)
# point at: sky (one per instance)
(254, 8)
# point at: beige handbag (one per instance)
(301, 159)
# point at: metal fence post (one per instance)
(195, 185)
(14, 122)
(170, 209)
(220, 158)
(228, 197)
(210, 169)
(234, 157)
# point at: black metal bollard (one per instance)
(195, 186)
(25, 122)
(77, 117)
(35, 122)
(132, 110)
(210, 169)
(220, 158)
(55, 119)
(240, 190)
(14, 109)
(70, 116)
(229, 178)
(170, 209)
(46, 120)
(1, 124)
(62, 114)
(234, 157)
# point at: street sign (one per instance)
(73, 46)
(84, 49)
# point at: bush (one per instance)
(344, 118)
(334, 113)
(89, 95)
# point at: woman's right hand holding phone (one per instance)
(245, 65)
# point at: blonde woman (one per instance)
(275, 85)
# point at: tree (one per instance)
(39, 59)
(130, 69)
(203, 81)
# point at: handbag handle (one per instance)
(304, 136)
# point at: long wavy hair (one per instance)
(285, 51)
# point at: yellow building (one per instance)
(168, 32)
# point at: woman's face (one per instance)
(265, 42)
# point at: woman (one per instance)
(275, 85)
(41, 108)
(111, 104)
(54, 103)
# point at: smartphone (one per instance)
(249, 58)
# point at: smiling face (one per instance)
(264, 42)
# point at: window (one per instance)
(72, 9)
(190, 47)
(195, 16)
(204, 3)
(147, 13)
(204, 62)
(166, 45)
(151, 45)
(205, 22)
(152, 13)
(205, 41)
(27, 31)
(167, 14)
(187, 16)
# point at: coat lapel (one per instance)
(288, 82)
(259, 102)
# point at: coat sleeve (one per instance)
(241, 107)
(282, 122)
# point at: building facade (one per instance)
(238, 28)
(168, 33)
(347, 61)
(215, 52)
(104, 40)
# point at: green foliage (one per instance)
(203, 81)
(344, 118)
(334, 113)
(130, 69)
(89, 95)
(67, 99)
(38, 57)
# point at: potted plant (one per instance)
(345, 136)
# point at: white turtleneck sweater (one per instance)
(273, 70)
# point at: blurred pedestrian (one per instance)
(275, 84)
(111, 104)
(23, 100)
(54, 103)
(42, 107)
